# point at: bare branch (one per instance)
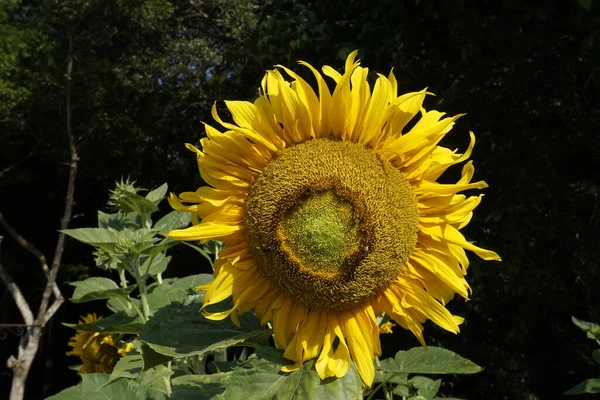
(16, 293)
(64, 223)
(33, 250)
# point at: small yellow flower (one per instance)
(331, 214)
(97, 351)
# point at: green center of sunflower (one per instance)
(321, 232)
(330, 223)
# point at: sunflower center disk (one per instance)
(330, 223)
(321, 233)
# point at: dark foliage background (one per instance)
(147, 72)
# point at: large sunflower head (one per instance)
(97, 351)
(331, 214)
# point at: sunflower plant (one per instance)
(333, 227)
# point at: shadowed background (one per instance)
(146, 73)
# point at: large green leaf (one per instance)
(98, 288)
(164, 295)
(131, 202)
(98, 387)
(431, 360)
(98, 237)
(116, 323)
(587, 386)
(119, 221)
(173, 220)
(158, 194)
(198, 387)
(260, 378)
(179, 330)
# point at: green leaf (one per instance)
(98, 288)
(173, 220)
(596, 356)
(103, 238)
(401, 390)
(189, 283)
(163, 245)
(152, 358)
(587, 4)
(117, 304)
(154, 377)
(591, 329)
(131, 202)
(587, 386)
(178, 291)
(198, 387)
(116, 323)
(260, 378)
(97, 387)
(153, 265)
(129, 366)
(119, 221)
(164, 295)
(426, 387)
(431, 360)
(178, 330)
(158, 194)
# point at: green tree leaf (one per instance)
(178, 330)
(260, 378)
(97, 288)
(97, 387)
(588, 386)
(431, 360)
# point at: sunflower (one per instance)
(331, 215)
(97, 351)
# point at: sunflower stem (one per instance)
(144, 299)
(137, 310)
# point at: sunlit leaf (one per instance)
(97, 387)
(588, 386)
(260, 378)
(431, 360)
(98, 288)
(178, 330)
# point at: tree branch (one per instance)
(14, 290)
